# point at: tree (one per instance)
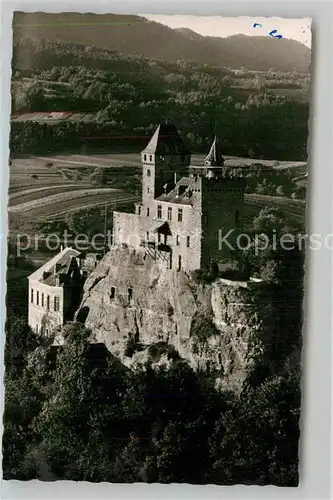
(87, 221)
(269, 219)
(81, 424)
(20, 341)
(257, 441)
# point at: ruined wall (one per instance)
(209, 325)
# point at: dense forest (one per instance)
(131, 95)
(75, 412)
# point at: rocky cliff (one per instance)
(131, 300)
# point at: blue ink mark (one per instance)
(271, 33)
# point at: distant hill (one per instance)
(256, 52)
(136, 35)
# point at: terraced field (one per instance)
(46, 187)
(58, 211)
(43, 188)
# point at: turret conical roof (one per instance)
(214, 156)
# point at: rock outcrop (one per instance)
(131, 299)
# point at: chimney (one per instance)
(61, 248)
(175, 178)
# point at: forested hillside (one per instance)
(128, 96)
(136, 35)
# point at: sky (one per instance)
(296, 29)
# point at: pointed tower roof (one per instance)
(165, 141)
(214, 156)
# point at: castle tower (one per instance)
(164, 156)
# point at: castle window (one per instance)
(180, 214)
(139, 210)
(48, 302)
(32, 296)
(179, 262)
(169, 213)
(188, 241)
(150, 157)
(159, 237)
(145, 157)
(147, 235)
(148, 172)
(113, 292)
(42, 300)
(148, 190)
(130, 294)
(177, 240)
(37, 298)
(148, 212)
(56, 304)
(159, 211)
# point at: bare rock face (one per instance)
(132, 299)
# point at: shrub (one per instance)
(203, 328)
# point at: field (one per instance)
(46, 188)
(42, 188)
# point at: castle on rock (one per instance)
(185, 210)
